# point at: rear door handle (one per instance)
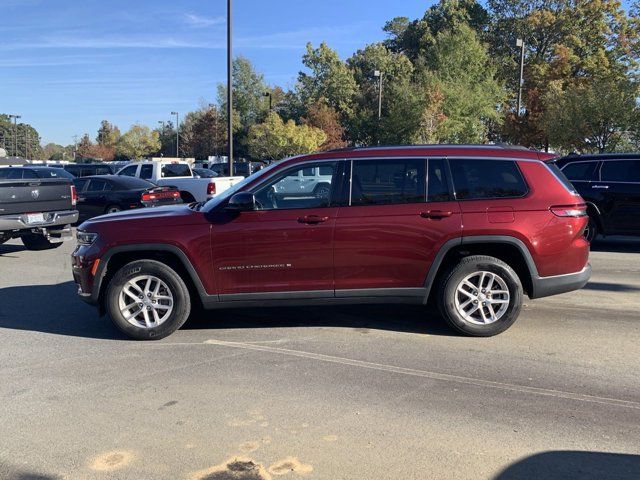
(312, 219)
(436, 214)
(600, 186)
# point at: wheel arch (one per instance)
(170, 255)
(510, 250)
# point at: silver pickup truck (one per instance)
(38, 210)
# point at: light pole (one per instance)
(268, 94)
(230, 85)
(520, 43)
(177, 133)
(15, 133)
(379, 74)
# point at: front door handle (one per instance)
(600, 186)
(312, 219)
(436, 214)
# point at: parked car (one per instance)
(610, 185)
(473, 228)
(102, 194)
(37, 205)
(178, 174)
(89, 169)
(204, 172)
(35, 171)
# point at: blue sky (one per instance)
(67, 64)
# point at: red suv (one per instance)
(473, 228)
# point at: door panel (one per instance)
(620, 190)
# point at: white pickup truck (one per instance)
(178, 174)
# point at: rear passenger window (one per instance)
(146, 172)
(176, 170)
(477, 179)
(437, 188)
(384, 182)
(579, 170)
(620, 171)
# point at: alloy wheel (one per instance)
(482, 298)
(145, 301)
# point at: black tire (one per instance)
(34, 241)
(322, 191)
(177, 287)
(457, 273)
(112, 209)
(591, 231)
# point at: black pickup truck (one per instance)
(39, 210)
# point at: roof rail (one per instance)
(433, 145)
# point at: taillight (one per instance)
(211, 189)
(74, 196)
(147, 197)
(570, 210)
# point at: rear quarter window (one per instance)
(481, 179)
(620, 171)
(176, 170)
(579, 171)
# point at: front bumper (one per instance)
(52, 219)
(547, 286)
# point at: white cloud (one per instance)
(200, 21)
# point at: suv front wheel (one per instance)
(481, 296)
(147, 300)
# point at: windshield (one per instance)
(222, 196)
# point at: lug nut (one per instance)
(484, 304)
(149, 294)
(475, 302)
(148, 307)
(140, 305)
(140, 297)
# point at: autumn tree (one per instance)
(322, 116)
(275, 139)
(138, 142)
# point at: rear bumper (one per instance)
(546, 286)
(52, 219)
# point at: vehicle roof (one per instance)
(119, 179)
(504, 151)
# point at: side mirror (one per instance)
(242, 202)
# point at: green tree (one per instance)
(203, 133)
(138, 142)
(28, 139)
(595, 115)
(108, 134)
(275, 139)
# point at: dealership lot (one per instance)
(341, 392)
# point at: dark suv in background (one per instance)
(472, 228)
(610, 185)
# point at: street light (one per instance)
(520, 43)
(379, 74)
(177, 133)
(268, 94)
(230, 86)
(15, 133)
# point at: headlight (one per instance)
(86, 238)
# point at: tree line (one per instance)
(450, 76)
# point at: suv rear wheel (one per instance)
(147, 300)
(481, 296)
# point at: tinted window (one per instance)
(80, 183)
(579, 170)
(4, 172)
(129, 171)
(176, 170)
(132, 183)
(53, 173)
(621, 171)
(383, 182)
(289, 190)
(103, 171)
(72, 169)
(15, 174)
(437, 189)
(146, 171)
(29, 174)
(97, 185)
(474, 179)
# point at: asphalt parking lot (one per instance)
(329, 393)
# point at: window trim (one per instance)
(512, 197)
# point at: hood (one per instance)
(167, 215)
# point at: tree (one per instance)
(329, 79)
(593, 115)
(322, 116)
(203, 133)
(462, 72)
(84, 147)
(138, 142)
(275, 139)
(108, 134)
(28, 139)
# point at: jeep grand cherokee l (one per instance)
(473, 228)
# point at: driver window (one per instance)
(286, 191)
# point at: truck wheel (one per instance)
(147, 300)
(34, 241)
(481, 296)
(187, 197)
